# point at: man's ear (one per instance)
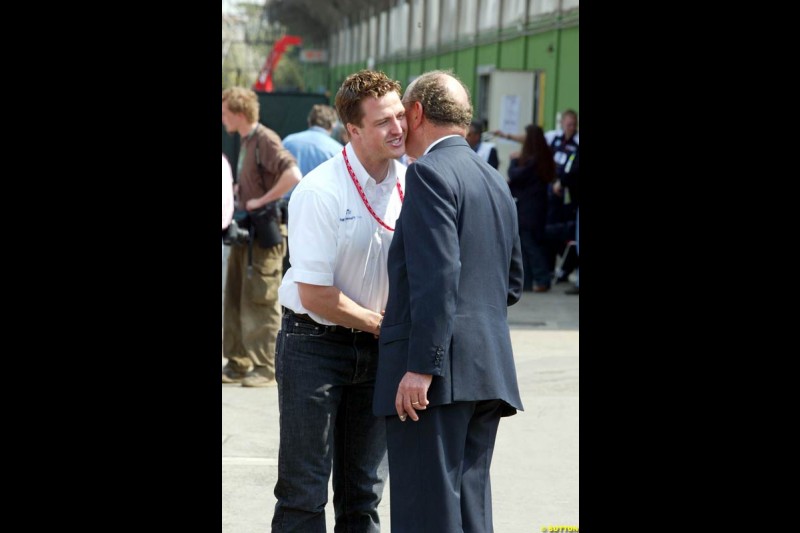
(352, 129)
(414, 115)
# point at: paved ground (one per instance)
(535, 466)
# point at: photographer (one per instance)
(252, 313)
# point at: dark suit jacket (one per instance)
(454, 268)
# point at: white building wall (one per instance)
(468, 17)
(513, 13)
(431, 23)
(488, 16)
(384, 34)
(540, 7)
(449, 20)
(398, 20)
(387, 33)
(363, 45)
(372, 51)
(417, 15)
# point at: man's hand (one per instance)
(253, 204)
(377, 334)
(412, 394)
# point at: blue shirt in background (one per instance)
(311, 147)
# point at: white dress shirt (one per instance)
(333, 238)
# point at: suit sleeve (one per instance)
(432, 253)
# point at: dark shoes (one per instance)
(254, 379)
(541, 288)
(573, 290)
(230, 375)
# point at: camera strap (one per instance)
(250, 251)
(251, 229)
(259, 166)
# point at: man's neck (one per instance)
(247, 129)
(378, 169)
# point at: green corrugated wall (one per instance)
(554, 51)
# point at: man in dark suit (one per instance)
(445, 348)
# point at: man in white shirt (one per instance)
(341, 223)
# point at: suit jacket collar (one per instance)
(450, 141)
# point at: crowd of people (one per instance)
(547, 201)
(398, 222)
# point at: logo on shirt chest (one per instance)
(348, 215)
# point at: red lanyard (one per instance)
(364, 196)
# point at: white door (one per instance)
(510, 103)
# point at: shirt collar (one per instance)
(251, 134)
(437, 141)
(361, 174)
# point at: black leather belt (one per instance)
(302, 317)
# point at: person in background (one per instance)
(562, 200)
(570, 183)
(446, 360)
(312, 147)
(562, 203)
(519, 137)
(529, 176)
(339, 133)
(486, 150)
(227, 193)
(568, 128)
(251, 312)
(341, 222)
(227, 200)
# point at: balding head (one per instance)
(437, 104)
(444, 99)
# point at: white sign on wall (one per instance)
(510, 101)
(509, 113)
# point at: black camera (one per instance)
(234, 234)
(266, 221)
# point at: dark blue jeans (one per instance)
(325, 386)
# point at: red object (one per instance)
(264, 81)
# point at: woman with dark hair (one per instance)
(529, 175)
